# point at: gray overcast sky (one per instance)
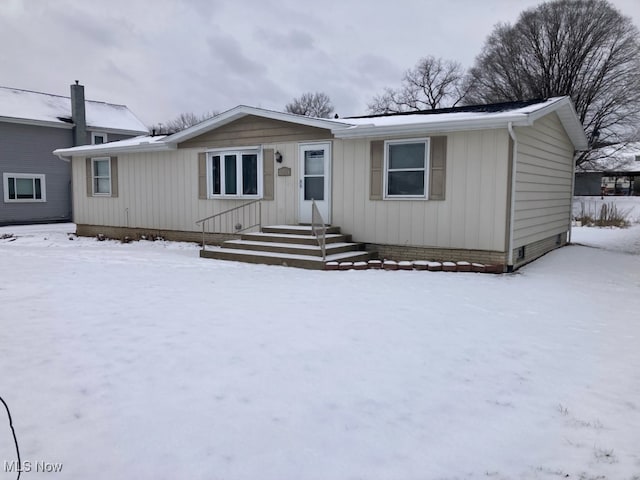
(164, 57)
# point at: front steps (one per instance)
(289, 245)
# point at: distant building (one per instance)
(616, 172)
(36, 185)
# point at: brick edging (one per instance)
(420, 265)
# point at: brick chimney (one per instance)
(78, 115)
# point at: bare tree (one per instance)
(582, 48)
(311, 105)
(181, 122)
(432, 83)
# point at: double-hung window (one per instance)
(235, 173)
(406, 165)
(24, 187)
(98, 138)
(101, 176)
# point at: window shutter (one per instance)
(377, 170)
(87, 162)
(437, 175)
(202, 175)
(268, 174)
(114, 176)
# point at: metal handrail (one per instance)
(238, 227)
(319, 229)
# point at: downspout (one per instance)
(573, 186)
(512, 212)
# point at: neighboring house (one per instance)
(490, 183)
(614, 172)
(36, 185)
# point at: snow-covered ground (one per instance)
(144, 361)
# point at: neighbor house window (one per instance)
(98, 137)
(101, 175)
(24, 187)
(406, 164)
(235, 173)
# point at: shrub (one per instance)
(609, 215)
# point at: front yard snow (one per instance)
(142, 360)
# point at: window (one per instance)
(24, 187)
(101, 175)
(98, 138)
(406, 165)
(235, 173)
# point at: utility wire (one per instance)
(15, 439)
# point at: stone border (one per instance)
(419, 265)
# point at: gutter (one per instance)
(512, 212)
(369, 130)
(67, 153)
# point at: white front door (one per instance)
(315, 180)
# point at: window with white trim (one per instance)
(24, 187)
(101, 175)
(235, 173)
(98, 138)
(406, 168)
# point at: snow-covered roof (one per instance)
(25, 106)
(422, 123)
(473, 117)
(614, 158)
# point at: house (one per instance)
(36, 185)
(613, 172)
(488, 183)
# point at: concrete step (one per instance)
(295, 238)
(273, 258)
(291, 248)
(295, 229)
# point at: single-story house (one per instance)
(36, 185)
(615, 170)
(488, 183)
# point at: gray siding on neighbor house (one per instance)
(111, 137)
(27, 149)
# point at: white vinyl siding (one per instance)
(472, 216)
(160, 190)
(543, 181)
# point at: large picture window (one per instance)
(406, 168)
(101, 175)
(235, 173)
(24, 187)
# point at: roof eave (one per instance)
(568, 117)
(96, 151)
(37, 123)
(116, 131)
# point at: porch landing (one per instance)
(289, 245)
